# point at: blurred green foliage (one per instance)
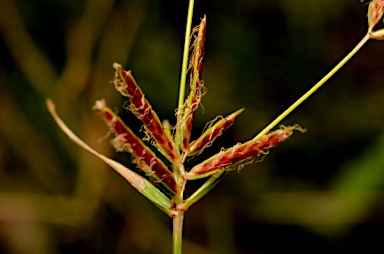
(320, 192)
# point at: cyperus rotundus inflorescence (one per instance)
(164, 181)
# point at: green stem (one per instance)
(183, 78)
(313, 89)
(178, 232)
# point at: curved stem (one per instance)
(313, 89)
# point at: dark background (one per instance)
(319, 192)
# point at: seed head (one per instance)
(212, 132)
(240, 153)
(139, 105)
(127, 141)
(196, 84)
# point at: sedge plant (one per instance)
(162, 184)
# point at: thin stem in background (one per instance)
(183, 78)
(313, 89)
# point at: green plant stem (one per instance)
(183, 78)
(313, 89)
(178, 232)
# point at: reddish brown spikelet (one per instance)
(241, 152)
(195, 93)
(139, 105)
(127, 141)
(375, 12)
(212, 132)
(187, 131)
(196, 62)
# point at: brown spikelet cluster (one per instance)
(241, 152)
(127, 141)
(139, 105)
(170, 173)
(196, 84)
(163, 139)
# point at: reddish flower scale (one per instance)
(197, 56)
(240, 152)
(187, 131)
(126, 85)
(214, 131)
(196, 66)
(127, 141)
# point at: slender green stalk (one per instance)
(183, 78)
(178, 232)
(313, 89)
(179, 217)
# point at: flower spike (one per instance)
(240, 153)
(213, 131)
(126, 85)
(196, 84)
(127, 141)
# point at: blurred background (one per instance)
(319, 192)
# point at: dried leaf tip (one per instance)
(375, 12)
